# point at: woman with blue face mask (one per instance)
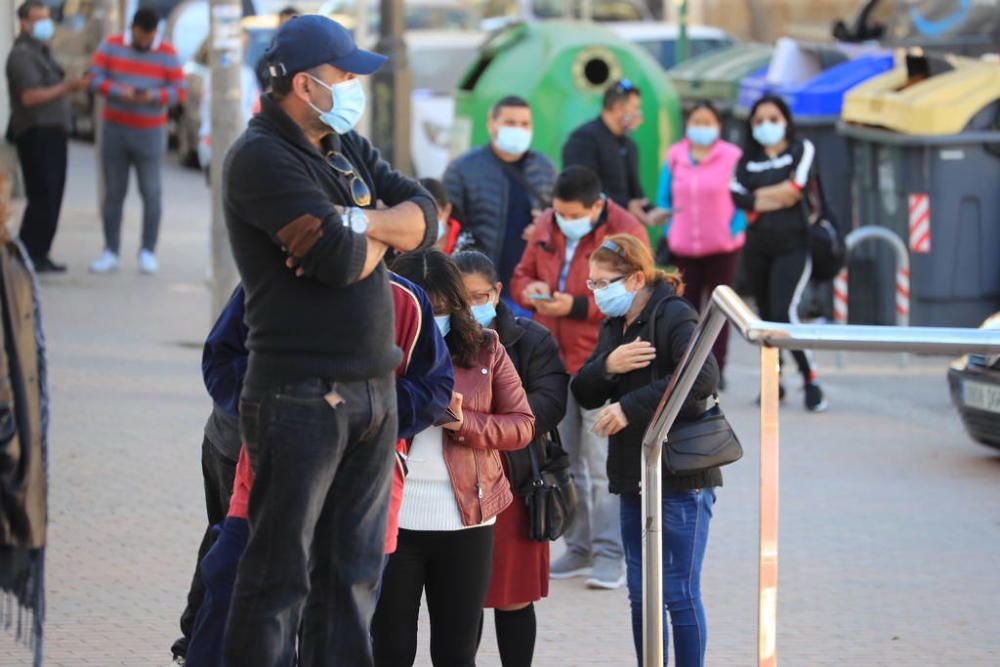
(455, 485)
(705, 230)
(771, 179)
(629, 371)
(520, 566)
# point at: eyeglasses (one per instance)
(594, 285)
(360, 193)
(481, 298)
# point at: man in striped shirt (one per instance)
(140, 77)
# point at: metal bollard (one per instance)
(902, 291)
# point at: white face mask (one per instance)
(442, 227)
(347, 101)
(513, 140)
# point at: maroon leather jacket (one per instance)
(495, 417)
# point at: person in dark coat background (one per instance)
(604, 146)
(499, 190)
(520, 565)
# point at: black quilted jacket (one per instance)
(477, 188)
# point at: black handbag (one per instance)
(694, 446)
(825, 245)
(551, 498)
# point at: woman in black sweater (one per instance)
(632, 371)
(770, 178)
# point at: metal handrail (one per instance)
(725, 305)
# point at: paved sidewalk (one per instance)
(890, 543)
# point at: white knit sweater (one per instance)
(428, 498)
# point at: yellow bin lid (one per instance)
(942, 104)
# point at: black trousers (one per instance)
(318, 512)
(42, 152)
(218, 472)
(777, 282)
(454, 568)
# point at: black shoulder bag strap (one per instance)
(655, 366)
(537, 202)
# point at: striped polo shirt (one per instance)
(117, 65)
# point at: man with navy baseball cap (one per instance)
(318, 408)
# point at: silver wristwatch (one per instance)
(356, 219)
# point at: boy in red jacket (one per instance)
(551, 279)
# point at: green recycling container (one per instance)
(716, 77)
(563, 68)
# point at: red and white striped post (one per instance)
(920, 237)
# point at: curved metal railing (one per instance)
(725, 305)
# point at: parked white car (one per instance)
(660, 39)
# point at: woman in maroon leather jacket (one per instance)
(455, 487)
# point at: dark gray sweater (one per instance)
(279, 190)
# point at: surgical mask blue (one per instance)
(443, 323)
(442, 227)
(768, 133)
(348, 105)
(43, 30)
(614, 300)
(702, 135)
(576, 228)
(513, 140)
(484, 313)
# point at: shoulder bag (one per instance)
(708, 442)
(547, 488)
(825, 245)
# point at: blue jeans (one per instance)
(686, 516)
(317, 523)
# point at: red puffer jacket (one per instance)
(543, 260)
(495, 417)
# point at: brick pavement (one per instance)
(890, 523)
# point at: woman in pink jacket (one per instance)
(705, 231)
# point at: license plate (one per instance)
(981, 396)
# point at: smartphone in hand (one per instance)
(540, 297)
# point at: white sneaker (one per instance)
(106, 263)
(148, 263)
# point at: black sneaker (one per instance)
(46, 265)
(781, 394)
(815, 401)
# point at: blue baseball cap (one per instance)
(311, 40)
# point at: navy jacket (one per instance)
(422, 392)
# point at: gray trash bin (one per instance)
(939, 192)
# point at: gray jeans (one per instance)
(121, 149)
(596, 528)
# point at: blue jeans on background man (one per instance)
(318, 512)
(686, 516)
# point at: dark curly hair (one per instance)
(438, 275)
